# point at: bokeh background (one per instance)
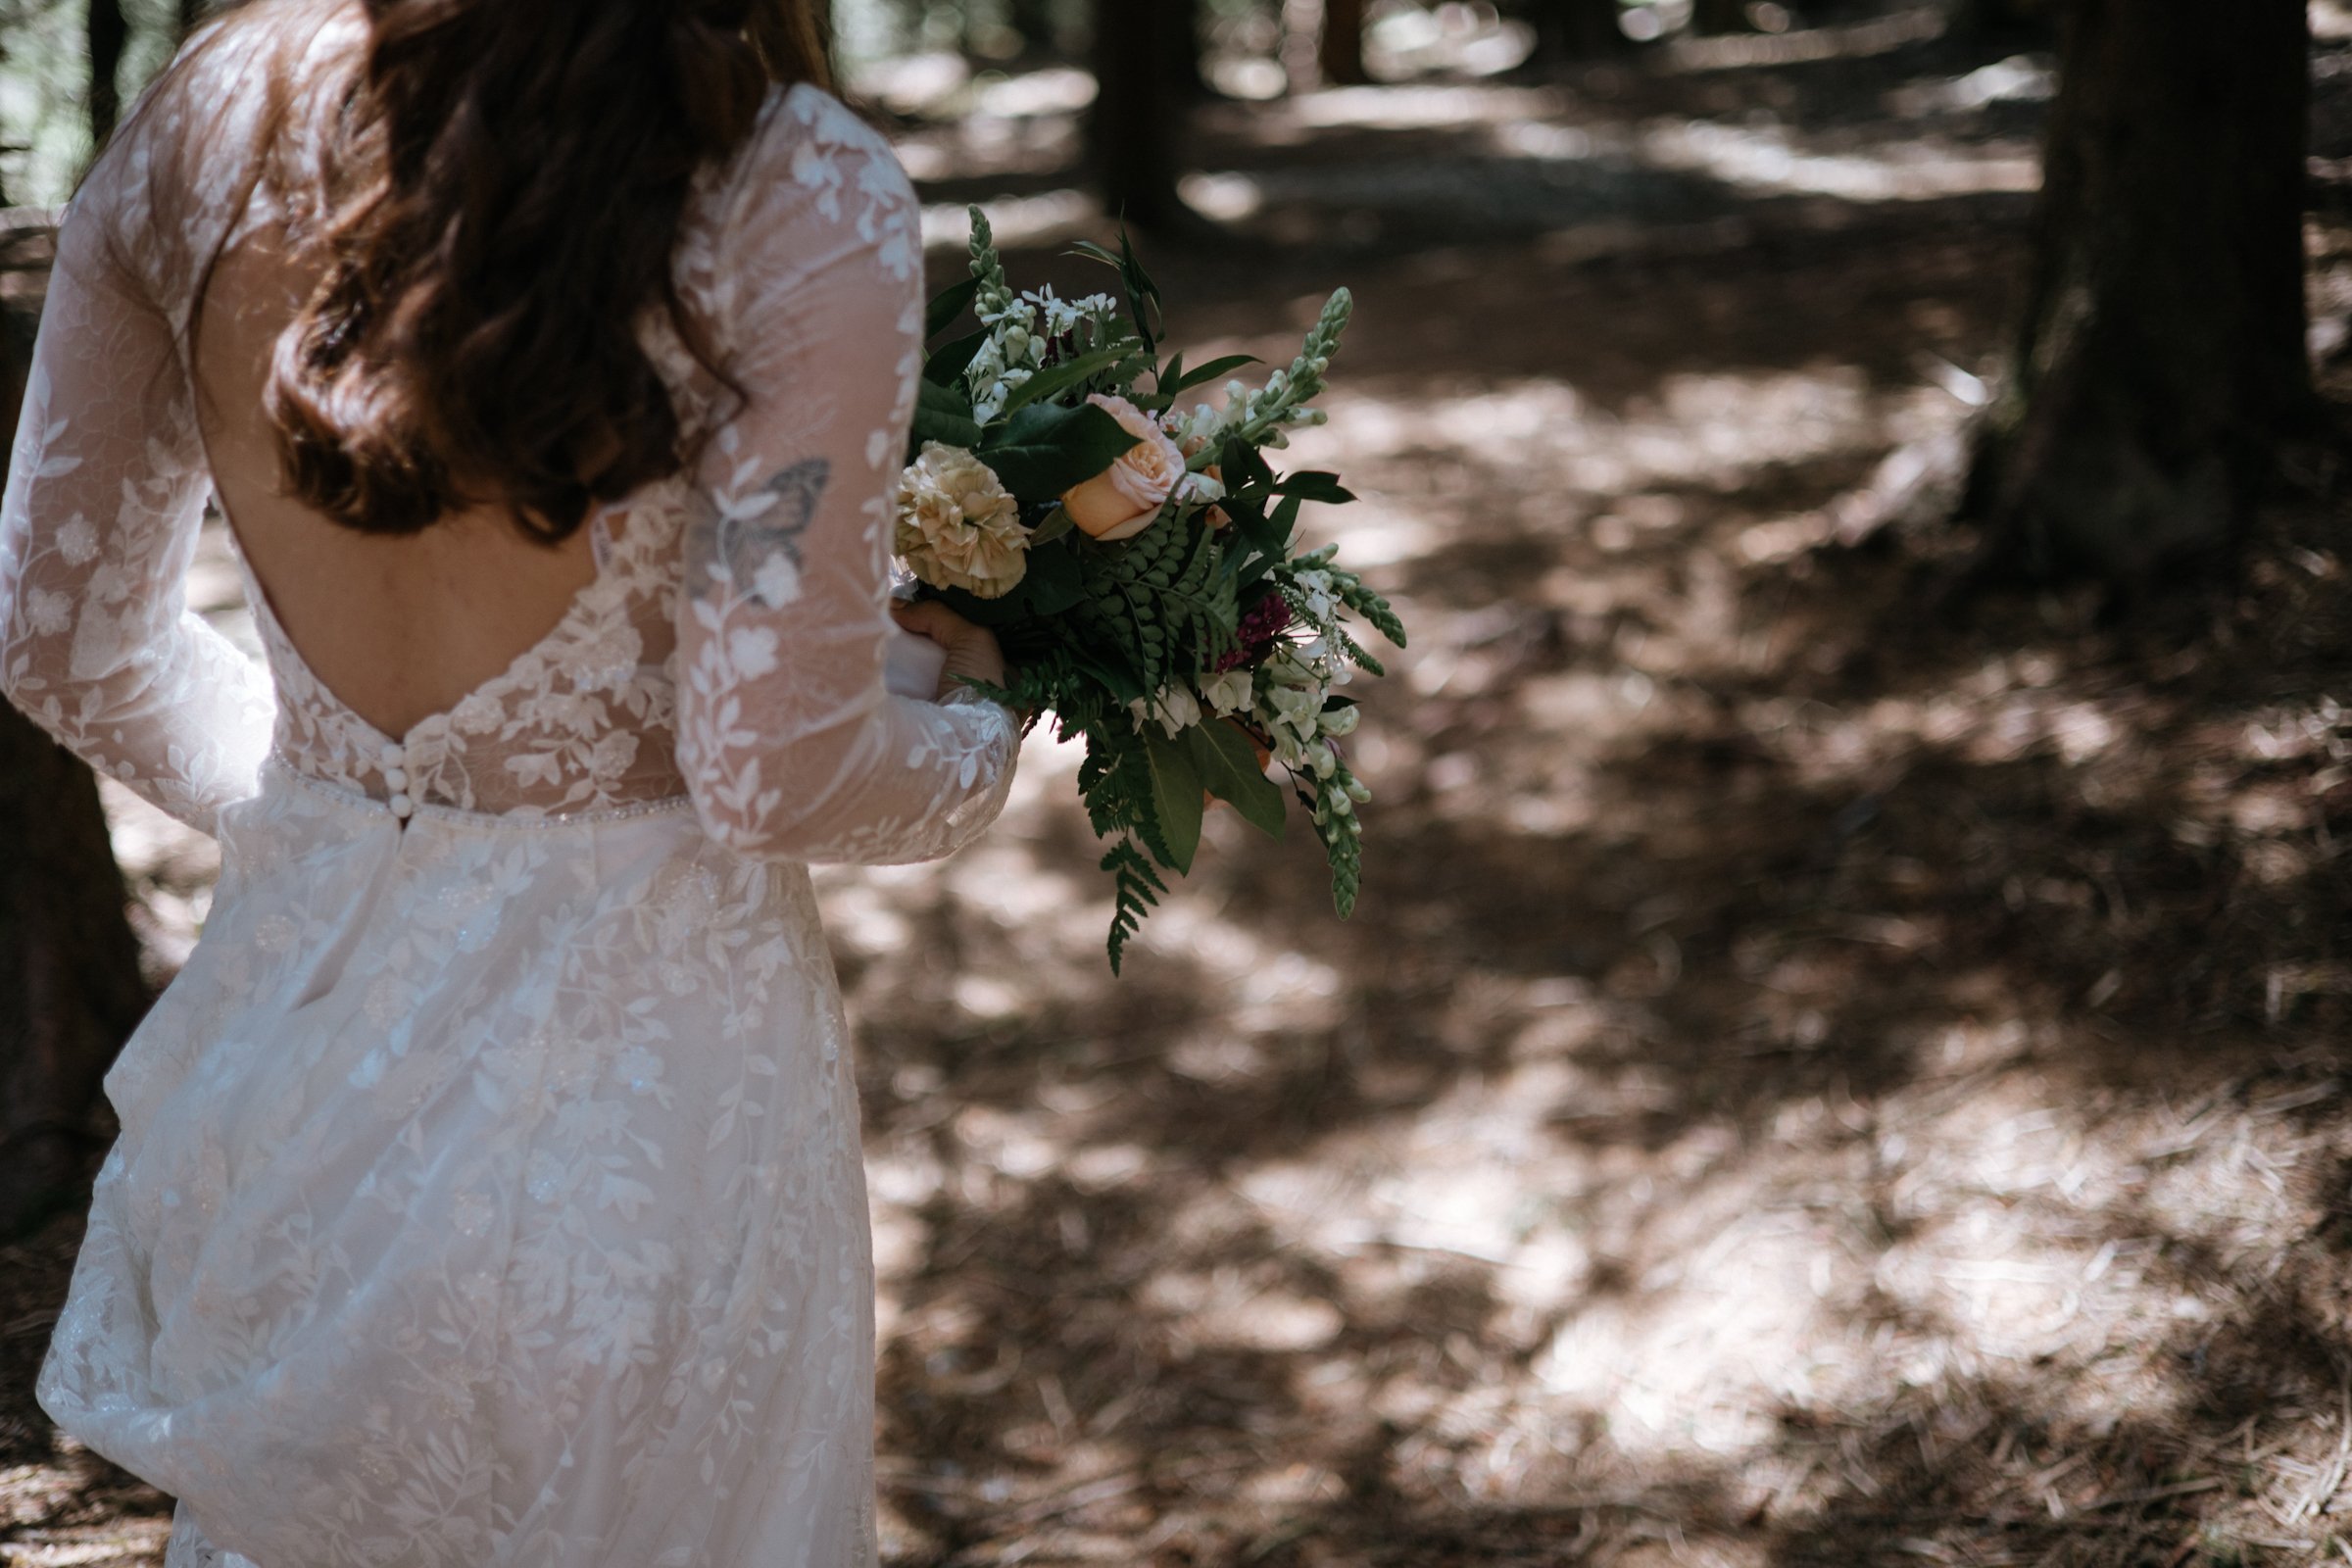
(1838, 1060)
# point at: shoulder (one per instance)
(216, 95)
(810, 164)
(185, 153)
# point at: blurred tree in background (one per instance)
(109, 33)
(1136, 124)
(71, 989)
(2161, 356)
(1719, 16)
(1340, 47)
(1577, 29)
(2025, 20)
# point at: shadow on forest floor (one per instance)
(1819, 1075)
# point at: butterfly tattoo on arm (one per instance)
(750, 547)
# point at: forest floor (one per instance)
(1826, 1071)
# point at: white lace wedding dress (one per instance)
(488, 1190)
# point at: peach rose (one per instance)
(1123, 500)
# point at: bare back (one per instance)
(400, 627)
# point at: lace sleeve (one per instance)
(790, 745)
(105, 490)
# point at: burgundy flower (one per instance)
(1265, 620)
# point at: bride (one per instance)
(488, 1189)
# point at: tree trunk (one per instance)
(1720, 16)
(2024, 22)
(1034, 20)
(1132, 126)
(108, 34)
(1340, 46)
(2161, 356)
(1180, 50)
(69, 986)
(1570, 31)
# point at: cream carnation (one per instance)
(957, 527)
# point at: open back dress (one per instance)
(488, 1189)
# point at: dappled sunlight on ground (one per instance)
(1725, 1125)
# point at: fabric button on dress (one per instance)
(396, 778)
(401, 806)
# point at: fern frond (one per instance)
(1137, 889)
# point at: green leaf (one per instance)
(1054, 581)
(1175, 795)
(1240, 465)
(1057, 522)
(1312, 484)
(1143, 295)
(1186, 381)
(1045, 383)
(1268, 539)
(949, 304)
(943, 414)
(1285, 522)
(948, 364)
(1109, 671)
(1139, 290)
(1046, 449)
(1227, 762)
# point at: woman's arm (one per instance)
(105, 493)
(791, 746)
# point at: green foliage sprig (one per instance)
(1287, 393)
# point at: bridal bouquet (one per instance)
(1136, 561)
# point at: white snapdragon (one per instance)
(1200, 489)
(1318, 596)
(1201, 426)
(1293, 710)
(1174, 708)
(1229, 693)
(1020, 329)
(1289, 669)
(1009, 357)
(1095, 313)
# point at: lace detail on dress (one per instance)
(581, 721)
(188, 1548)
(731, 644)
(95, 641)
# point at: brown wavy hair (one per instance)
(500, 197)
